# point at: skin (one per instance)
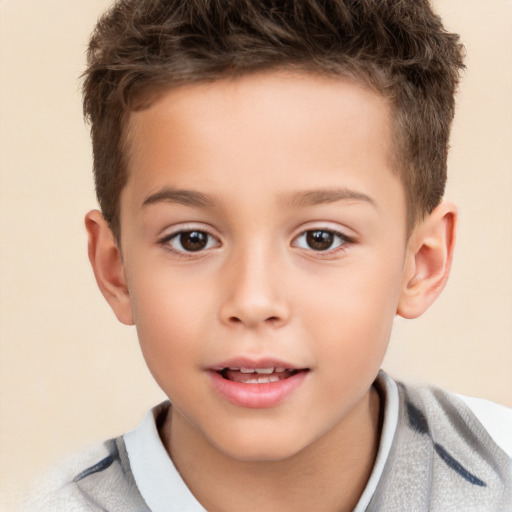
(274, 156)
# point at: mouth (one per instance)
(257, 375)
(257, 384)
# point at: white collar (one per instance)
(388, 391)
(157, 478)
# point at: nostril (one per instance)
(270, 319)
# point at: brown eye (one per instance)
(194, 240)
(319, 240)
(190, 241)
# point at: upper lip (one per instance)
(248, 362)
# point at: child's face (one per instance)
(262, 226)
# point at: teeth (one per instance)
(262, 380)
(266, 371)
(280, 370)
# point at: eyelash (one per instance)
(166, 242)
(344, 242)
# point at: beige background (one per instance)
(71, 375)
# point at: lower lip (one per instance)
(256, 396)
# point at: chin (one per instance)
(265, 454)
(262, 448)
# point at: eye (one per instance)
(190, 241)
(320, 240)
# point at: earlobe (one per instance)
(428, 261)
(107, 264)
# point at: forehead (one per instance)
(280, 98)
(276, 131)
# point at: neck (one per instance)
(328, 475)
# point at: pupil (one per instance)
(319, 240)
(193, 240)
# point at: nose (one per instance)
(254, 295)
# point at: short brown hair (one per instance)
(398, 47)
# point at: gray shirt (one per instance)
(435, 455)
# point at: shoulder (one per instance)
(451, 414)
(97, 479)
(448, 453)
(55, 491)
(495, 418)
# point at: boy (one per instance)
(270, 176)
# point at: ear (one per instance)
(428, 261)
(107, 264)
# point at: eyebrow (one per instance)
(317, 197)
(299, 199)
(181, 196)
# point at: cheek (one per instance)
(163, 298)
(354, 312)
(351, 334)
(170, 316)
